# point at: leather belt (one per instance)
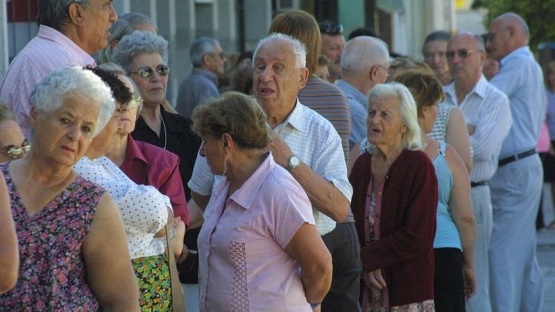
(516, 157)
(479, 183)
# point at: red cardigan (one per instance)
(151, 165)
(408, 222)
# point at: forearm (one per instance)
(467, 230)
(316, 282)
(323, 195)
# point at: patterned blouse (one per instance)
(52, 273)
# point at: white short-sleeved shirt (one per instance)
(142, 207)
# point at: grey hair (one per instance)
(135, 19)
(115, 69)
(363, 52)
(119, 29)
(54, 13)
(412, 139)
(298, 47)
(139, 42)
(200, 47)
(50, 93)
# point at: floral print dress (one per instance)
(52, 273)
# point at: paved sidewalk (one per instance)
(546, 258)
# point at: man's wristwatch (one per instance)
(294, 161)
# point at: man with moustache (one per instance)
(488, 116)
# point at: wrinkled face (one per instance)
(276, 78)
(64, 135)
(332, 46)
(98, 18)
(385, 124)
(153, 88)
(128, 112)
(104, 141)
(213, 149)
(434, 56)
(215, 61)
(497, 42)
(465, 58)
(13, 144)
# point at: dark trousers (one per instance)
(344, 247)
(448, 281)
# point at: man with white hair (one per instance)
(515, 277)
(303, 142)
(364, 64)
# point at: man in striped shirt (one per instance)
(488, 118)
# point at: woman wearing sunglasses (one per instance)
(144, 57)
(13, 144)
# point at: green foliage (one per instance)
(537, 13)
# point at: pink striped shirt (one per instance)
(48, 51)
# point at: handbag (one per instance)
(178, 300)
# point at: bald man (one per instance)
(516, 281)
(488, 116)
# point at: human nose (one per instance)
(113, 14)
(74, 133)
(266, 74)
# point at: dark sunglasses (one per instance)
(15, 152)
(147, 72)
(330, 28)
(463, 53)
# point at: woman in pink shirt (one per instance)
(259, 249)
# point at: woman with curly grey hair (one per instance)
(63, 221)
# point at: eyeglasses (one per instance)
(15, 152)
(463, 53)
(387, 70)
(220, 55)
(491, 35)
(147, 72)
(135, 101)
(330, 28)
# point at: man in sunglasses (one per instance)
(13, 144)
(516, 280)
(70, 32)
(208, 61)
(488, 117)
(332, 46)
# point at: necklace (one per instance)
(165, 132)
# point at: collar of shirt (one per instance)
(295, 118)
(52, 34)
(134, 151)
(352, 92)
(520, 52)
(479, 89)
(210, 75)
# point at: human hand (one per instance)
(374, 279)
(179, 234)
(280, 150)
(469, 282)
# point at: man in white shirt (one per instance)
(303, 142)
(488, 116)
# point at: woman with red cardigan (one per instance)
(394, 203)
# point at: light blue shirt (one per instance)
(521, 79)
(315, 141)
(358, 105)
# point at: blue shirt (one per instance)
(197, 87)
(359, 110)
(521, 79)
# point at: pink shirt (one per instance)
(243, 265)
(48, 51)
(151, 165)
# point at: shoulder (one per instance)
(157, 154)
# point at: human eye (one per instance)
(65, 121)
(86, 129)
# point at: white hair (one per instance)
(298, 47)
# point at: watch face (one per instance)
(294, 161)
